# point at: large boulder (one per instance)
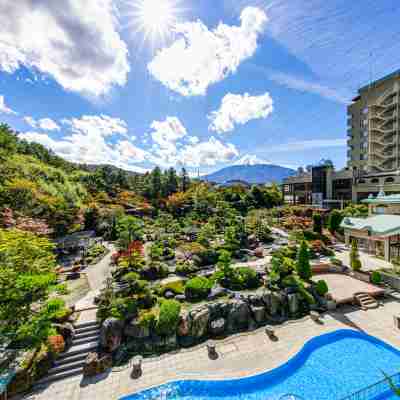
(184, 324)
(259, 314)
(217, 327)
(199, 322)
(275, 303)
(96, 364)
(136, 330)
(111, 334)
(239, 316)
(294, 304)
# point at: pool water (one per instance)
(329, 367)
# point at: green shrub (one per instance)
(185, 268)
(317, 223)
(148, 319)
(247, 278)
(303, 266)
(355, 261)
(123, 308)
(322, 288)
(376, 278)
(168, 318)
(177, 287)
(335, 219)
(56, 309)
(198, 288)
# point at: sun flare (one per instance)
(155, 19)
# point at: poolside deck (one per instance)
(344, 287)
(239, 356)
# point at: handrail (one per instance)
(374, 390)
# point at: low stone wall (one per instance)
(391, 280)
(217, 319)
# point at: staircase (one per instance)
(365, 301)
(71, 362)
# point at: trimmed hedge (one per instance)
(198, 288)
(168, 318)
(322, 288)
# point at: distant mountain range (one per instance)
(260, 173)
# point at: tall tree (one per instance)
(184, 180)
(172, 182)
(155, 183)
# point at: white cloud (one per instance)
(77, 44)
(193, 139)
(303, 85)
(210, 152)
(4, 109)
(251, 159)
(168, 131)
(46, 124)
(240, 109)
(165, 136)
(103, 125)
(87, 143)
(307, 145)
(200, 57)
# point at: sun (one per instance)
(155, 19)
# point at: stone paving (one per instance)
(239, 356)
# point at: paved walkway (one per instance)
(369, 262)
(239, 356)
(96, 275)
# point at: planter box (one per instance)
(391, 280)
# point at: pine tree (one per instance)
(317, 223)
(172, 181)
(303, 266)
(184, 180)
(155, 180)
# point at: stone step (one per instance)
(70, 359)
(66, 367)
(84, 348)
(88, 329)
(90, 339)
(84, 335)
(86, 324)
(61, 375)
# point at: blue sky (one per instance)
(225, 81)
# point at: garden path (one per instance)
(96, 275)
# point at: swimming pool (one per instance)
(328, 367)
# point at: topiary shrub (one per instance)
(317, 223)
(355, 261)
(247, 278)
(376, 278)
(185, 268)
(198, 288)
(123, 308)
(322, 288)
(303, 266)
(168, 318)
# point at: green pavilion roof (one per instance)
(391, 199)
(378, 225)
